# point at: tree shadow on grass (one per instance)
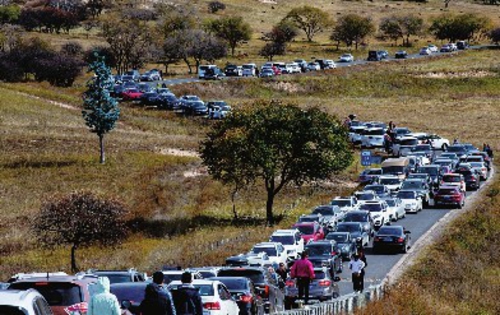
(37, 164)
(179, 226)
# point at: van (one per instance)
(374, 55)
(399, 167)
(203, 69)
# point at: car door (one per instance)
(228, 305)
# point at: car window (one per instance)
(223, 293)
(56, 293)
(255, 275)
(10, 310)
(41, 307)
(283, 239)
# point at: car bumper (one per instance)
(388, 246)
(411, 208)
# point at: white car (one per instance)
(215, 297)
(364, 196)
(276, 252)
(412, 202)
(436, 141)
(345, 203)
(395, 209)
(355, 134)
(433, 48)
(390, 181)
(294, 67)
(291, 241)
(249, 69)
(425, 51)
(346, 58)
(403, 146)
(372, 138)
(219, 112)
(330, 64)
(23, 302)
(481, 168)
(378, 212)
(313, 66)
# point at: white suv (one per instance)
(291, 241)
(28, 302)
(378, 211)
(345, 203)
(274, 250)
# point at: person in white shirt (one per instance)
(356, 265)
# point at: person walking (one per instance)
(303, 271)
(356, 265)
(187, 299)
(282, 272)
(102, 301)
(157, 300)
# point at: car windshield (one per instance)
(270, 251)
(406, 195)
(365, 196)
(374, 132)
(56, 293)
(11, 310)
(255, 275)
(283, 239)
(341, 203)
(134, 292)
(391, 202)
(376, 188)
(389, 231)
(451, 179)
(348, 228)
(457, 149)
(306, 229)
(412, 185)
(355, 217)
(323, 211)
(339, 238)
(429, 170)
(318, 250)
(372, 207)
(389, 181)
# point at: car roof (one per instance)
(196, 281)
(267, 244)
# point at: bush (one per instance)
(215, 6)
(72, 49)
(9, 14)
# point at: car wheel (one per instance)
(444, 147)
(405, 249)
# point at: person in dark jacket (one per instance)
(157, 300)
(187, 299)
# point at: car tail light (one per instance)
(334, 253)
(325, 283)
(266, 291)
(212, 306)
(246, 298)
(377, 238)
(401, 240)
(290, 283)
(79, 308)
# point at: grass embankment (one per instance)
(459, 274)
(46, 149)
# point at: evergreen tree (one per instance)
(100, 110)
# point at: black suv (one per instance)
(265, 286)
(374, 55)
(119, 276)
(325, 253)
(364, 218)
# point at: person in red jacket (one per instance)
(303, 271)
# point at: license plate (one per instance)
(387, 239)
(206, 312)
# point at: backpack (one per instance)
(184, 305)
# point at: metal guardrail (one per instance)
(343, 305)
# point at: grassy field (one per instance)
(46, 149)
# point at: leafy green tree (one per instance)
(231, 29)
(352, 28)
(309, 19)
(100, 110)
(277, 144)
(9, 13)
(272, 49)
(391, 28)
(466, 26)
(175, 18)
(402, 27)
(80, 219)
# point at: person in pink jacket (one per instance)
(303, 271)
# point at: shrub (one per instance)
(215, 6)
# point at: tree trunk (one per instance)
(189, 65)
(74, 268)
(233, 197)
(356, 45)
(101, 144)
(270, 202)
(233, 47)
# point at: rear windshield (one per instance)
(409, 142)
(375, 132)
(389, 181)
(323, 211)
(348, 228)
(56, 293)
(389, 230)
(10, 310)
(393, 169)
(270, 251)
(429, 170)
(308, 219)
(365, 196)
(371, 207)
(374, 172)
(235, 283)
(451, 179)
(283, 239)
(355, 217)
(339, 238)
(305, 229)
(376, 188)
(130, 293)
(456, 149)
(172, 277)
(318, 250)
(204, 289)
(255, 275)
(406, 195)
(341, 203)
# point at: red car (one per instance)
(131, 95)
(450, 195)
(310, 231)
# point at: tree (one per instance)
(272, 49)
(231, 29)
(80, 219)
(175, 18)
(9, 13)
(411, 25)
(100, 110)
(278, 144)
(352, 28)
(205, 47)
(215, 6)
(495, 35)
(390, 27)
(309, 19)
(460, 27)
